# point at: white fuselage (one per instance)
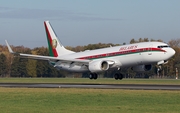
(122, 56)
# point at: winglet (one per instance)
(9, 48)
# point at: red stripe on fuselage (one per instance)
(122, 53)
(50, 41)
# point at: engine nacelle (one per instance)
(141, 68)
(99, 65)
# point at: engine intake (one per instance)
(97, 66)
(141, 68)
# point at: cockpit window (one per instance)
(164, 46)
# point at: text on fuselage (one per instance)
(128, 48)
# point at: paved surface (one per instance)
(95, 86)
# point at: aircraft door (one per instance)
(150, 50)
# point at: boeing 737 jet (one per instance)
(139, 56)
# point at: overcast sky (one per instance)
(81, 22)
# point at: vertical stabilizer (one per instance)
(55, 47)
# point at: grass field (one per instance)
(72, 100)
(88, 81)
(59, 100)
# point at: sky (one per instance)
(82, 22)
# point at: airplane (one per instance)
(139, 56)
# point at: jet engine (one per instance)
(98, 65)
(141, 68)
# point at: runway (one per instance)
(94, 86)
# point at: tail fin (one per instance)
(55, 47)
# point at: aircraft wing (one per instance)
(48, 58)
(56, 59)
(39, 57)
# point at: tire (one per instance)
(116, 76)
(95, 76)
(121, 76)
(91, 76)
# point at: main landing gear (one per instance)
(93, 76)
(118, 76)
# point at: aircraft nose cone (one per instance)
(173, 52)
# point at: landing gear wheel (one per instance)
(118, 76)
(93, 76)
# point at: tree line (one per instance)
(11, 66)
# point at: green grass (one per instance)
(71, 100)
(59, 100)
(88, 81)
